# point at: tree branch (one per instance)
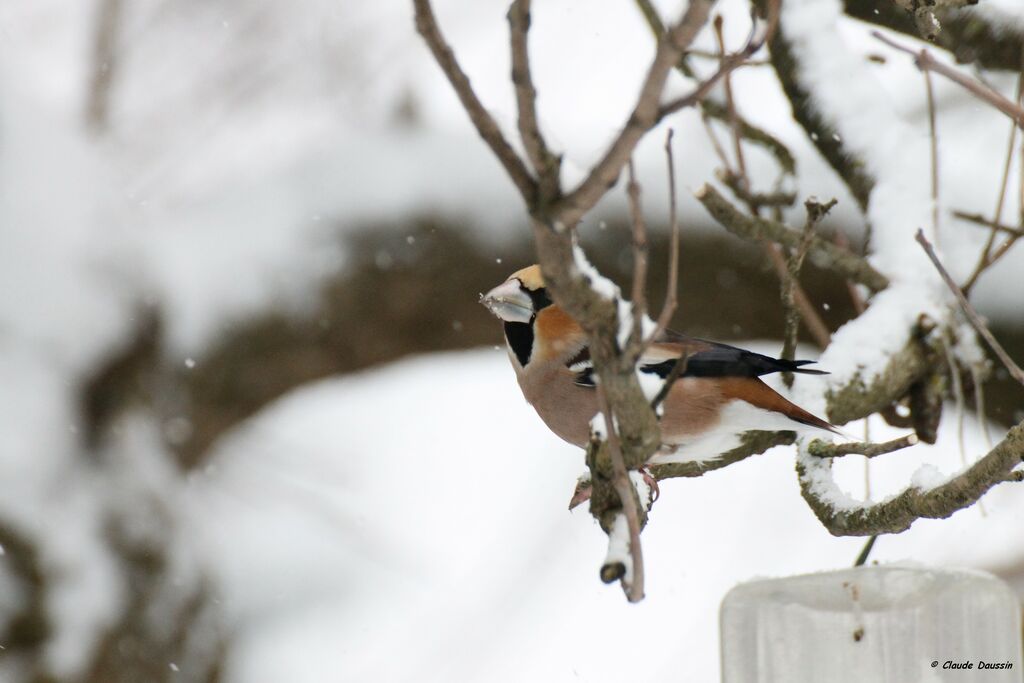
(924, 61)
(751, 443)
(645, 115)
(545, 164)
(968, 36)
(815, 213)
(426, 25)
(823, 253)
(972, 315)
(899, 512)
(822, 449)
(822, 134)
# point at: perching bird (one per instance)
(717, 397)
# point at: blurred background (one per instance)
(255, 426)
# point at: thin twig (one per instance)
(933, 135)
(823, 449)
(755, 200)
(628, 497)
(980, 220)
(672, 287)
(986, 259)
(972, 315)
(865, 552)
(678, 368)
(728, 64)
(924, 61)
(426, 25)
(979, 402)
(734, 119)
(958, 395)
(815, 213)
(639, 296)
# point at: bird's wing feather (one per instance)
(703, 359)
(713, 359)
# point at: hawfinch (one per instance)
(716, 398)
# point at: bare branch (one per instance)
(823, 253)
(733, 119)
(924, 61)
(678, 368)
(934, 138)
(635, 346)
(979, 219)
(426, 25)
(896, 514)
(672, 287)
(728, 64)
(815, 213)
(972, 315)
(987, 257)
(751, 443)
(545, 164)
(969, 36)
(823, 449)
(646, 113)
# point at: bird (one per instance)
(716, 397)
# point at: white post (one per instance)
(883, 624)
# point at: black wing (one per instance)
(704, 359)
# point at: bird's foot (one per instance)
(584, 488)
(582, 492)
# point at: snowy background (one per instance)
(372, 527)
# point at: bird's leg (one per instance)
(584, 488)
(652, 484)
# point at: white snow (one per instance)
(338, 540)
(367, 528)
(619, 548)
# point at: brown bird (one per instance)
(717, 397)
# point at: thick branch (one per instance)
(426, 25)
(820, 131)
(899, 512)
(967, 35)
(751, 443)
(856, 399)
(823, 253)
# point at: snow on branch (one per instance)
(930, 496)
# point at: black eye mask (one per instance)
(539, 297)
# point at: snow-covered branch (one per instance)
(930, 496)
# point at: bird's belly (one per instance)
(565, 408)
(724, 434)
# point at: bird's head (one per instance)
(519, 298)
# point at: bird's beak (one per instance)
(509, 302)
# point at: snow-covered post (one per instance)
(893, 624)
